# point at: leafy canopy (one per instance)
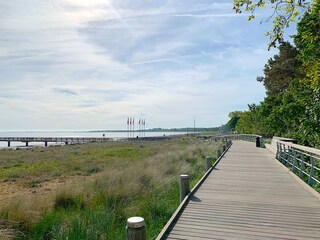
(280, 70)
(284, 12)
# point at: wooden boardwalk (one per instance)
(249, 196)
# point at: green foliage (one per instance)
(232, 123)
(234, 118)
(281, 70)
(292, 81)
(284, 13)
(307, 41)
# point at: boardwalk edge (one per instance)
(182, 205)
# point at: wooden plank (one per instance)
(249, 196)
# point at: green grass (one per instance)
(128, 179)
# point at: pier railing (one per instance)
(47, 140)
(301, 160)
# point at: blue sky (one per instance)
(81, 65)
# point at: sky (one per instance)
(87, 65)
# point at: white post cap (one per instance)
(135, 222)
(184, 176)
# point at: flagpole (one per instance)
(128, 127)
(139, 127)
(133, 129)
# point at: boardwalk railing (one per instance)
(301, 160)
(245, 137)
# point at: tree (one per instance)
(280, 70)
(235, 116)
(284, 12)
(307, 41)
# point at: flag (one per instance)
(130, 121)
(139, 121)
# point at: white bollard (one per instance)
(136, 229)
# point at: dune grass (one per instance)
(127, 179)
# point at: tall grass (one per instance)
(145, 185)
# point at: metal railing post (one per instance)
(294, 164)
(280, 153)
(302, 165)
(310, 180)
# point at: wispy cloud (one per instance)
(211, 15)
(93, 63)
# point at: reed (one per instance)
(133, 179)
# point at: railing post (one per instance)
(294, 164)
(302, 165)
(277, 154)
(280, 153)
(208, 163)
(310, 180)
(288, 156)
(136, 229)
(223, 148)
(184, 186)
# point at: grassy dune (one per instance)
(111, 182)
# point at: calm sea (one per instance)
(74, 134)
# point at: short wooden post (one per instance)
(310, 180)
(184, 186)
(302, 165)
(208, 163)
(136, 229)
(218, 153)
(8, 143)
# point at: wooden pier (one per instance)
(249, 195)
(46, 140)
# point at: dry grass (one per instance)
(129, 181)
